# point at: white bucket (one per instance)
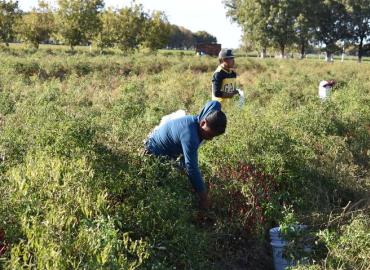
(278, 244)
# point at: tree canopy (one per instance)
(78, 20)
(36, 26)
(300, 23)
(86, 22)
(9, 12)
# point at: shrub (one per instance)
(350, 247)
(248, 197)
(76, 194)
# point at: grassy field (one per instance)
(93, 51)
(78, 194)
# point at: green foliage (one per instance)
(347, 244)
(359, 12)
(281, 24)
(131, 27)
(204, 37)
(36, 26)
(157, 31)
(131, 21)
(303, 26)
(9, 12)
(78, 20)
(7, 103)
(180, 37)
(58, 202)
(76, 193)
(332, 22)
(107, 37)
(252, 17)
(299, 239)
(281, 21)
(350, 248)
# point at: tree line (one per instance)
(83, 22)
(282, 24)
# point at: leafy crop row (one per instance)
(77, 193)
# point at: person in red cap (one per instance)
(224, 78)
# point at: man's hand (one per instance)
(204, 217)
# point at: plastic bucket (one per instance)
(278, 244)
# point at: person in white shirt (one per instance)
(325, 89)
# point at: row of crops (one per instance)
(78, 194)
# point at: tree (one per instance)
(252, 16)
(359, 14)
(37, 25)
(303, 26)
(180, 37)
(265, 22)
(302, 31)
(204, 37)
(9, 13)
(131, 22)
(78, 21)
(188, 37)
(157, 31)
(175, 37)
(280, 23)
(107, 36)
(331, 24)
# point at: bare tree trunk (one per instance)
(302, 50)
(281, 54)
(328, 57)
(360, 46)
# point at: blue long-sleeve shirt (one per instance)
(181, 137)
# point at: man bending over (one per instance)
(181, 137)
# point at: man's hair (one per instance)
(217, 121)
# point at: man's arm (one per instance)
(216, 84)
(190, 151)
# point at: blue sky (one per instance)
(195, 15)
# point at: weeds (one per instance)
(76, 193)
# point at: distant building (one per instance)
(208, 48)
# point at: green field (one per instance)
(77, 193)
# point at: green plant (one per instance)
(298, 237)
(349, 247)
(76, 193)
